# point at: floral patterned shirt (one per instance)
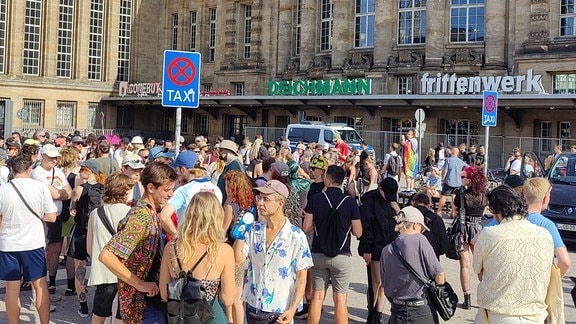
(271, 276)
(135, 244)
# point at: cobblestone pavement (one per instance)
(67, 308)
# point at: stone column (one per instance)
(495, 33)
(343, 31)
(308, 33)
(384, 31)
(437, 17)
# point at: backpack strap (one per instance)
(329, 203)
(195, 264)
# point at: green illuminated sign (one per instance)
(320, 87)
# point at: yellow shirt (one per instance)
(515, 257)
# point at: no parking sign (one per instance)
(489, 108)
(181, 79)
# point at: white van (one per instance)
(322, 133)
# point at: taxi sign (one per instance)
(489, 108)
(181, 79)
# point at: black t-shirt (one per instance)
(315, 187)
(319, 207)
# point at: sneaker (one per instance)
(33, 306)
(52, 308)
(83, 312)
(303, 313)
(55, 298)
(52, 290)
(70, 292)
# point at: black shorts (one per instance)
(447, 190)
(54, 233)
(104, 299)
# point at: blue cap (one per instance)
(186, 159)
(159, 151)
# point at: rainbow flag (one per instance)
(410, 158)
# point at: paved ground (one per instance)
(67, 308)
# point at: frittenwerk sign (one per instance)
(320, 87)
(452, 84)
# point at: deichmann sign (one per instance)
(452, 84)
(320, 87)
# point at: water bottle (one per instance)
(244, 224)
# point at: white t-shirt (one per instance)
(184, 194)
(21, 230)
(516, 164)
(4, 173)
(45, 176)
(99, 273)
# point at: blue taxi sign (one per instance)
(489, 108)
(181, 79)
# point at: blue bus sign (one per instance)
(181, 79)
(489, 108)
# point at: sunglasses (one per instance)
(463, 177)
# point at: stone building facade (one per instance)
(245, 44)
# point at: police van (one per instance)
(322, 133)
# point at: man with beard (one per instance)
(228, 154)
(134, 253)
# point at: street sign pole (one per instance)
(180, 85)
(177, 131)
(489, 118)
(419, 115)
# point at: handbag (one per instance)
(187, 298)
(456, 233)
(555, 297)
(443, 298)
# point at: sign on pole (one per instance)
(181, 79)
(489, 108)
(489, 117)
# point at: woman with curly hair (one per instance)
(472, 197)
(201, 234)
(239, 199)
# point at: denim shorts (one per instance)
(27, 265)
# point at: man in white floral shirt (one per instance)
(279, 258)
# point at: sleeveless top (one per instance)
(211, 286)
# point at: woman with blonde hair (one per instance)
(201, 240)
(68, 163)
(370, 169)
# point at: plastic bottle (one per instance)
(244, 224)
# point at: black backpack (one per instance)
(334, 241)
(393, 167)
(90, 199)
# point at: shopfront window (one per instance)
(461, 131)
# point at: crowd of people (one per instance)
(141, 211)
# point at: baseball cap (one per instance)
(13, 144)
(137, 140)
(50, 150)
(413, 215)
(186, 159)
(31, 141)
(125, 140)
(90, 164)
(319, 162)
(336, 136)
(274, 186)
(390, 188)
(134, 161)
(159, 151)
(301, 146)
(77, 139)
(281, 169)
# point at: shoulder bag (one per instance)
(443, 298)
(456, 232)
(104, 219)
(187, 298)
